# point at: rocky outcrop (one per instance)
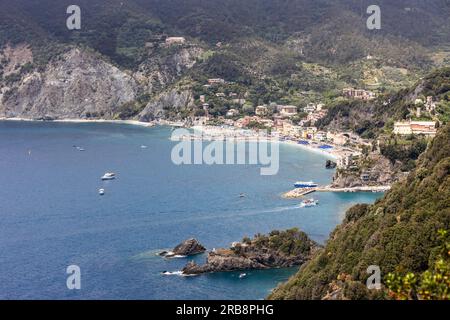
(78, 84)
(189, 247)
(165, 65)
(167, 105)
(278, 250)
(13, 58)
(378, 171)
(330, 164)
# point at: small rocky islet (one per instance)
(187, 248)
(279, 249)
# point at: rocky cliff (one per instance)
(81, 83)
(374, 170)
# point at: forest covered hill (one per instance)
(405, 234)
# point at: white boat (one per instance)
(305, 185)
(308, 203)
(144, 147)
(242, 275)
(101, 192)
(109, 176)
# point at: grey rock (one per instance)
(79, 84)
(189, 247)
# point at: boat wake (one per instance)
(279, 209)
(172, 273)
(177, 273)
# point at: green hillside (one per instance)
(399, 233)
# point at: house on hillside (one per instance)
(216, 81)
(261, 110)
(360, 94)
(175, 40)
(427, 128)
(287, 111)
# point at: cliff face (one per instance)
(163, 66)
(83, 84)
(381, 173)
(168, 104)
(399, 234)
(77, 85)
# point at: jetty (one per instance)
(301, 192)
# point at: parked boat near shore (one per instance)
(303, 184)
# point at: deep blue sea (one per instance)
(51, 215)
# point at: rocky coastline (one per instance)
(279, 249)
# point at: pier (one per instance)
(301, 192)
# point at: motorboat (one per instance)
(109, 176)
(308, 203)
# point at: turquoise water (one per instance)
(52, 216)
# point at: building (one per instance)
(415, 127)
(320, 136)
(424, 127)
(232, 113)
(175, 40)
(220, 95)
(310, 108)
(339, 139)
(216, 81)
(308, 133)
(345, 161)
(205, 107)
(261, 110)
(358, 94)
(430, 105)
(365, 176)
(418, 101)
(202, 98)
(287, 111)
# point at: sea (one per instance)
(52, 216)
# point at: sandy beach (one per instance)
(130, 122)
(251, 135)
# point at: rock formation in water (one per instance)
(276, 250)
(189, 247)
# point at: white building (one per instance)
(175, 40)
(232, 113)
(415, 127)
(261, 110)
(216, 81)
(310, 108)
(287, 111)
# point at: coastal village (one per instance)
(348, 152)
(293, 124)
